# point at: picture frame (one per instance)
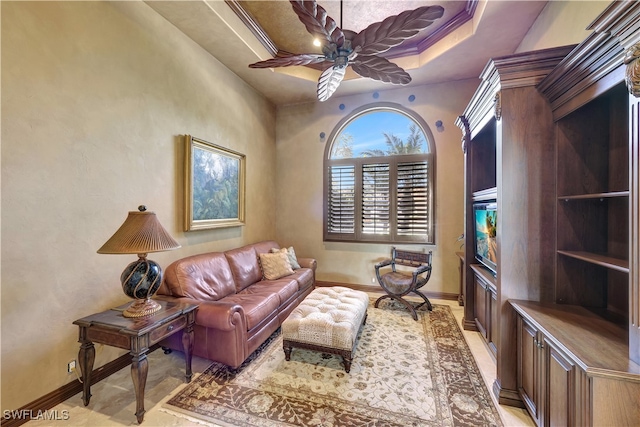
(214, 186)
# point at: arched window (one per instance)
(379, 167)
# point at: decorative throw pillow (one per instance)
(275, 265)
(291, 254)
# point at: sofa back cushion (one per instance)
(244, 266)
(265, 247)
(205, 277)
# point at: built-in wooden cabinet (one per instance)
(595, 96)
(573, 367)
(486, 305)
(509, 156)
(565, 127)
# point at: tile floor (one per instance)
(113, 401)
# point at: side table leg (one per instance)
(86, 357)
(139, 369)
(187, 346)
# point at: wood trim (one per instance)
(596, 64)
(377, 289)
(506, 396)
(634, 230)
(69, 390)
(253, 26)
(449, 27)
(513, 71)
(469, 325)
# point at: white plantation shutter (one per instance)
(375, 199)
(412, 199)
(341, 200)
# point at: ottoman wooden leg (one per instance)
(347, 363)
(287, 353)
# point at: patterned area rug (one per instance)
(404, 373)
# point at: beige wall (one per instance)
(561, 23)
(95, 98)
(299, 180)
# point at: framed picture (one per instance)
(214, 186)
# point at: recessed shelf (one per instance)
(599, 259)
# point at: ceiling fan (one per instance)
(343, 48)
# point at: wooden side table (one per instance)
(136, 335)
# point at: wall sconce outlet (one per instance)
(71, 367)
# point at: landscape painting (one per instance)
(214, 190)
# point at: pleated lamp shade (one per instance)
(141, 233)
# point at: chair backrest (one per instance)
(411, 258)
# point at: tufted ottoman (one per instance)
(328, 320)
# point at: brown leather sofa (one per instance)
(237, 309)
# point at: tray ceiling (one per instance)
(455, 47)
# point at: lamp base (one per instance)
(141, 308)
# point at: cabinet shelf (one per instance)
(488, 277)
(487, 194)
(608, 195)
(599, 259)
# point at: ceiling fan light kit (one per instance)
(343, 48)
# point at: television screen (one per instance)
(486, 247)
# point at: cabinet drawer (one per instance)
(167, 329)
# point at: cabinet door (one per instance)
(560, 387)
(528, 375)
(480, 307)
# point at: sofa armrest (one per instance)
(308, 263)
(221, 315)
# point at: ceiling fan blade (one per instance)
(317, 22)
(329, 81)
(382, 36)
(378, 68)
(287, 59)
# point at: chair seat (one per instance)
(399, 283)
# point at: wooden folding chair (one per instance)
(397, 284)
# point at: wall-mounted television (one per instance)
(486, 246)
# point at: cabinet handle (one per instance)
(170, 328)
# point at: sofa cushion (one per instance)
(265, 247)
(257, 305)
(244, 266)
(304, 277)
(285, 288)
(203, 277)
(275, 265)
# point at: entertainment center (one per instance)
(553, 137)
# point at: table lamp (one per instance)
(140, 234)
